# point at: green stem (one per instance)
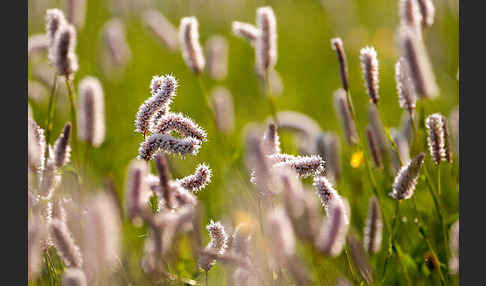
(206, 278)
(348, 260)
(50, 121)
(270, 97)
(391, 241)
(438, 179)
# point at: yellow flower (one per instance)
(356, 159)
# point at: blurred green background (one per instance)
(309, 71)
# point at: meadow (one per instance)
(94, 192)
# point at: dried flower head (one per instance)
(373, 231)
(369, 65)
(76, 11)
(374, 148)
(337, 45)
(135, 186)
(163, 90)
(245, 31)
(179, 123)
(332, 236)
(54, 20)
(50, 178)
(217, 56)
(222, 104)
(62, 53)
(74, 277)
(64, 242)
(415, 54)
(271, 141)
(162, 28)
(282, 235)
(266, 42)
(62, 151)
(438, 138)
(189, 41)
(102, 222)
(405, 89)
(157, 142)
(427, 10)
(406, 178)
(91, 111)
(198, 181)
(347, 122)
(218, 243)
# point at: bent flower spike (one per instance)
(406, 179)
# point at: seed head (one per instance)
(454, 248)
(405, 89)
(74, 277)
(271, 141)
(266, 42)
(179, 123)
(91, 111)
(103, 223)
(163, 90)
(162, 28)
(406, 179)
(282, 235)
(62, 53)
(217, 55)
(259, 163)
(328, 147)
(378, 129)
(369, 65)
(64, 242)
(438, 138)
(410, 14)
(347, 122)
(218, 243)
(373, 145)
(37, 43)
(374, 227)
(54, 20)
(454, 124)
(337, 45)
(191, 48)
(157, 142)
(427, 10)
(118, 51)
(36, 146)
(62, 150)
(326, 192)
(415, 54)
(222, 104)
(198, 181)
(305, 166)
(135, 186)
(245, 31)
(332, 236)
(76, 11)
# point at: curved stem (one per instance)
(74, 133)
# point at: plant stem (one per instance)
(392, 238)
(74, 133)
(270, 97)
(206, 278)
(438, 178)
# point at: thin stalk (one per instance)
(391, 241)
(348, 260)
(206, 278)
(270, 97)
(74, 133)
(438, 179)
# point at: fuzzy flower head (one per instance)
(245, 31)
(406, 179)
(162, 28)
(54, 20)
(438, 139)
(163, 90)
(373, 231)
(410, 14)
(327, 193)
(332, 235)
(218, 243)
(282, 233)
(271, 141)
(222, 103)
(164, 142)
(191, 48)
(62, 150)
(179, 123)
(266, 42)
(74, 277)
(65, 244)
(91, 111)
(427, 10)
(369, 65)
(217, 56)
(62, 53)
(337, 45)
(197, 181)
(305, 166)
(347, 122)
(405, 89)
